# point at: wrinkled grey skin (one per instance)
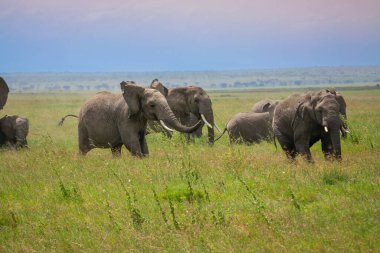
(249, 127)
(13, 131)
(4, 90)
(300, 119)
(188, 103)
(111, 120)
(266, 105)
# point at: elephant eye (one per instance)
(196, 100)
(152, 105)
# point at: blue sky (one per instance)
(169, 35)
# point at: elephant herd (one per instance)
(112, 120)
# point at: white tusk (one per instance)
(216, 126)
(205, 121)
(164, 126)
(326, 130)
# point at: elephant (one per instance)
(112, 120)
(249, 127)
(303, 119)
(13, 131)
(4, 90)
(189, 105)
(266, 105)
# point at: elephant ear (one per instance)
(304, 110)
(306, 106)
(331, 90)
(342, 104)
(315, 97)
(132, 94)
(4, 90)
(157, 85)
(266, 107)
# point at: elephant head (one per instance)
(4, 90)
(152, 105)
(198, 104)
(324, 109)
(190, 101)
(266, 105)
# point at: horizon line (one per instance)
(195, 71)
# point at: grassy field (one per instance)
(188, 197)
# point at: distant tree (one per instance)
(223, 85)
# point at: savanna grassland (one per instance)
(188, 197)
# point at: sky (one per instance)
(196, 35)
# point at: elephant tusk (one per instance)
(165, 126)
(205, 121)
(216, 126)
(326, 130)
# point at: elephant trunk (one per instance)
(332, 124)
(344, 128)
(335, 140)
(167, 116)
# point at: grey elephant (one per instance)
(303, 119)
(248, 128)
(112, 120)
(189, 104)
(4, 90)
(266, 105)
(13, 131)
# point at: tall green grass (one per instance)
(187, 197)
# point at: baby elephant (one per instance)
(249, 127)
(13, 131)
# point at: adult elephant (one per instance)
(111, 120)
(189, 104)
(266, 105)
(303, 119)
(4, 90)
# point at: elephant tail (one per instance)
(60, 123)
(225, 129)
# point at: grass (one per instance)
(188, 197)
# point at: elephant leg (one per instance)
(302, 143)
(233, 139)
(83, 140)
(288, 147)
(235, 135)
(131, 141)
(116, 150)
(198, 132)
(327, 147)
(193, 119)
(20, 142)
(186, 121)
(143, 144)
